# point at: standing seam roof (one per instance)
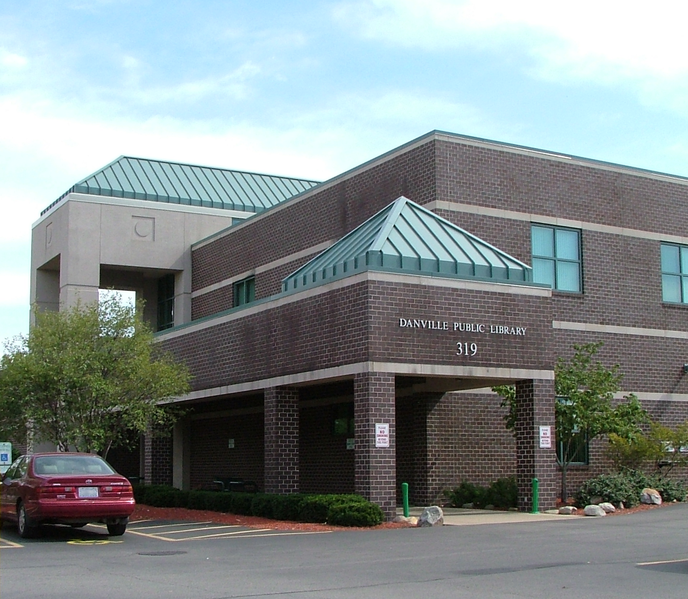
(405, 237)
(187, 184)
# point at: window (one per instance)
(675, 273)
(244, 291)
(166, 302)
(344, 419)
(579, 451)
(557, 257)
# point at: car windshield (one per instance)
(71, 465)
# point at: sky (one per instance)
(313, 88)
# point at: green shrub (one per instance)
(465, 493)
(241, 503)
(263, 505)
(626, 486)
(288, 507)
(355, 514)
(669, 489)
(614, 488)
(304, 508)
(502, 493)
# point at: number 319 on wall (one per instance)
(466, 349)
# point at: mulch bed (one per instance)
(144, 512)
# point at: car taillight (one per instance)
(57, 492)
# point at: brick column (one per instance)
(157, 460)
(535, 408)
(281, 440)
(374, 402)
(426, 484)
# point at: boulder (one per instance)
(594, 510)
(431, 516)
(410, 520)
(650, 496)
(567, 510)
(608, 507)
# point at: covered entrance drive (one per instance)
(377, 313)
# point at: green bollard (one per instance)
(404, 497)
(536, 496)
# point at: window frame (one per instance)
(555, 260)
(681, 274)
(244, 291)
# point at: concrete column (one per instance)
(535, 408)
(281, 440)
(374, 402)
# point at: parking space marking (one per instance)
(5, 544)
(169, 532)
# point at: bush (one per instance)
(466, 493)
(355, 514)
(626, 487)
(352, 510)
(502, 493)
(613, 488)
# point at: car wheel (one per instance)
(25, 527)
(118, 527)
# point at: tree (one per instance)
(88, 378)
(585, 391)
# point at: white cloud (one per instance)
(10, 60)
(15, 289)
(606, 41)
(234, 85)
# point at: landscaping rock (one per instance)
(594, 510)
(468, 506)
(608, 507)
(567, 510)
(650, 496)
(410, 520)
(431, 516)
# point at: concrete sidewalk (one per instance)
(467, 517)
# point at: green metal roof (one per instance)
(405, 237)
(190, 185)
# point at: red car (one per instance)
(65, 488)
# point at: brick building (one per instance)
(344, 336)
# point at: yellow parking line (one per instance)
(5, 544)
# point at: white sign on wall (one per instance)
(381, 434)
(545, 437)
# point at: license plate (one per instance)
(86, 492)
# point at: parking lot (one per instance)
(620, 557)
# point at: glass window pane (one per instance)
(568, 276)
(542, 239)
(670, 258)
(567, 245)
(543, 271)
(684, 288)
(671, 288)
(684, 260)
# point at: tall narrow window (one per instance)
(557, 257)
(165, 302)
(674, 273)
(244, 291)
